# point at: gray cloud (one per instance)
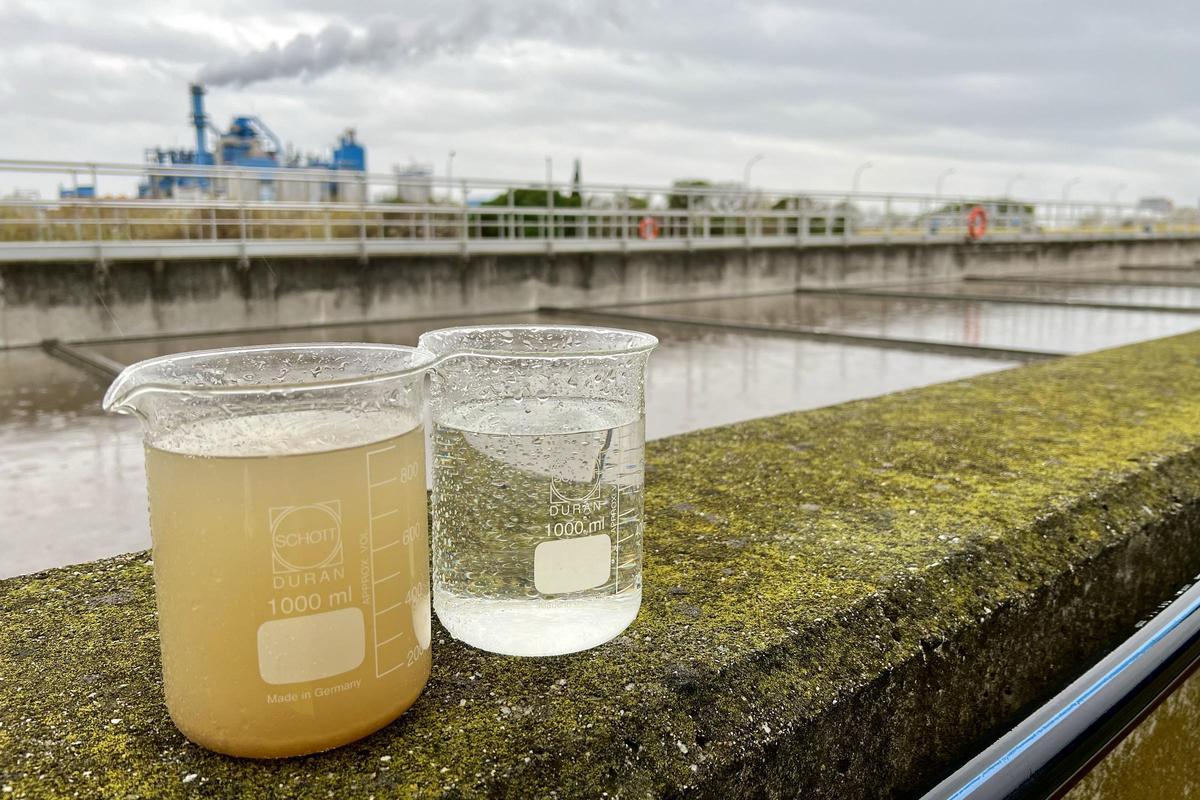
(142, 37)
(646, 93)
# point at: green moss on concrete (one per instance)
(805, 574)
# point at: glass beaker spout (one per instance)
(134, 383)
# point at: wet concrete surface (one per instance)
(1055, 328)
(71, 478)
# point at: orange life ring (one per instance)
(977, 223)
(648, 228)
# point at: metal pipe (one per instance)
(90, 360)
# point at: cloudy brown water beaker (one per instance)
(291, 560)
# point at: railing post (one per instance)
(243, 258)
(623, 216)
(96, 217)
(550, 223)
(464, 221)
(212, 217)
(512, 214)
(362, 218)
(887, 219)
(584, 218)
(746, 217)
(75, 206)
(689, 222)
(845, 221)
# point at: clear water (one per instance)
(537, 537)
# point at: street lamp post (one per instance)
(863, 167)
(746, 172)
(1066, 193)
(450, 174)
(1008, 187)
(746, 190)
(549, 197)
(941, 178)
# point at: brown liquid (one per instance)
(293, 593)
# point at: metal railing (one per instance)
(222, 212)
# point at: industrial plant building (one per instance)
(266, 170)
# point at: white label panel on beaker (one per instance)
(572, 565)
(311, 647)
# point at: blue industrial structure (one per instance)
(250, 145)
(77, 193)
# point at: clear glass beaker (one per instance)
(538, 477)
(291, 560)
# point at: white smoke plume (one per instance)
(386, 43)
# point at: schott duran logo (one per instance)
(305, 538)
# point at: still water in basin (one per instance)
(71, 478)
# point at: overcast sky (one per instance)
(643, 92)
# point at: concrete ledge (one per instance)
(74, 301)
(839, 604)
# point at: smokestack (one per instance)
(199, 121)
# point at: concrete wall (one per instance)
(839, 604)
(79, 301)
